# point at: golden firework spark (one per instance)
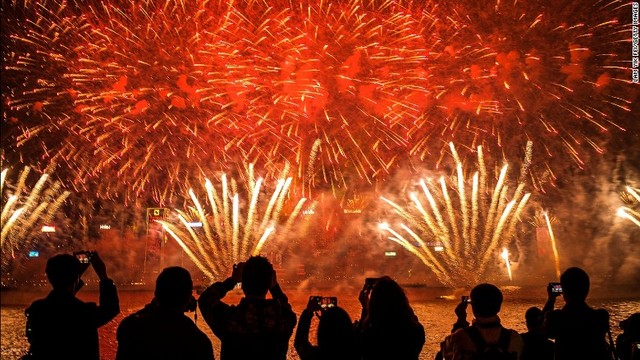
(25, 209)
(554, 247)
(630, 212)
(466, 233)
(505, 256)
(237, 224)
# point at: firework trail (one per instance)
(469, 219)
(237, 225)
(630, 212)
(24, 210)
(505, 256)
(145, 89)
(554, 247)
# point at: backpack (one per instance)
(497, 351)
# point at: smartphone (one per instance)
(83, 256)
(327, 302)
(556, 288)
(324, 302)
(466, 299)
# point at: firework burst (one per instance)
(517, 71)
(24, 210)
(238, 224)
(144, 89)
(468, 220)
(630, 212)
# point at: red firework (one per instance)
(153, 92)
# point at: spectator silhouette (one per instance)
(61, 326)
(161, 330)
(336, 334)
(628, 343)
(579, 330)
(256, 328)
(536, 344)
(486, 331)
(388, 327)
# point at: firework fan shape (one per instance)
(236, 223)
(144, 89)
(631, 197)
(457, 225)
(24, 210)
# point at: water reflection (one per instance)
(435, 314)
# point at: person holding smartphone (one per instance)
(388, 327)
(485, 337)
(256, 328)
(580, 331)
(336, 334)
(61, 326)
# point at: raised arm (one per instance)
(301, 343)
(109, 302)
(210, 302)
(461, 314)
(278, 295)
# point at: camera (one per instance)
(84, 256)
(556, 288)
(466, 299)
(325, 302)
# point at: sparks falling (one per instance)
(24, 210)
(468, 219)
(554, 247)
(505, 256)
(234, 226)
(145, 89)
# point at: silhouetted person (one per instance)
(536, 344)
(161, 330)
(336, 338)
(257, 328)
(61, 326)
(628, 343)
(486, 337)
(579, 330)
(388, 327)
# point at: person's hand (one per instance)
(552, 295)
(98, 266)
(313, 305)
(461, 310)
(236, 275)
(364, 296)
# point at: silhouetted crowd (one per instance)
(61, 326)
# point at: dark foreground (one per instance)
(434, 308)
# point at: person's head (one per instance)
(63, 272)
(575, 284)
(533, 317)
(257, 276)
(486, 300)
(388, 303)
(631, 325)
(174, 287)
(335, 330)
